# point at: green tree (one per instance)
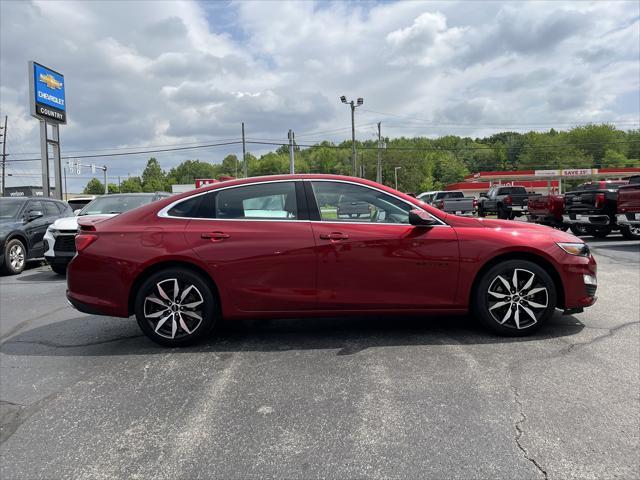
(113, 188)
(231, 166)
(595, 140)
(131, 185)
(94, 187)
(153, 178)
(189, 170)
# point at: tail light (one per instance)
(475, 203)
(507, 200)
(599, 200)
(83, 240)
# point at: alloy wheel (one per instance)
(517, 298)
(173, 309)
(16, 256)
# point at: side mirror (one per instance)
(77, 211)
(420, 218)
(483, 195)
(33, 214)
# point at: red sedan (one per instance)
(321, 245)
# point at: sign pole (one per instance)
(57, 167)
(44, 158)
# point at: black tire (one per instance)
(59, 269)
(599, 232)
(578, 229)
(541, 303)
(630, 232)
(503, 213)
(561, 227)
(15, 257)
(481, 212)
(171, 307)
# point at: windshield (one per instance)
(115, 204)
(9, 207)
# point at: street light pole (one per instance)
(354, 105)
(395, 173)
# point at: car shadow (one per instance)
(44, 276)
(105, 336)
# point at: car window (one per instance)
(50, 209)
(35, 205)
(267, 201)
(452, 195)
(114, 204)
(346, 202)
(200, 206)
(10, 207)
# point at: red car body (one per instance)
(303, 268)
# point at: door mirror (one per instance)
(483, 195)
(420, 218)
(33, 214)
(77, 211)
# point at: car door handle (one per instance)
(334, 236)
(215, 236)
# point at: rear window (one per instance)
(444, 195)
(512, 190)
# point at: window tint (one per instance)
(35, 205)
(444, 195)
(200, 206)
(355, 203)
(50, 209)
(263, 201)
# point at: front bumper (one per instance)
(586, 219)
(628, 219)
(580, 283)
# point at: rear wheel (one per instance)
(15, 257)
(578, 229)
(481, 212)
(599, 232)
(515, 297)
(630, 232)
(503, 213)
(175, 307)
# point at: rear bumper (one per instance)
(544, 219)
(586, 219)
(628, 218)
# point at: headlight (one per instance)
(53, 231)
(579, 249)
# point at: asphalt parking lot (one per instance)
(89, 397)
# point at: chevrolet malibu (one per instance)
(281, 246)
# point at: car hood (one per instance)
(71, 223)
(526, 228)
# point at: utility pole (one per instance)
(4, 150)
(354, 105)
(379, 164)
(106, 186)
(292, 167)
(66, 192)
(395, 173)
(244, 154)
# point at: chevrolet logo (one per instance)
(50, 81)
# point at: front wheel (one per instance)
(515, 297)
(15, 256)
(59, 269)
(175, 307)
(630, 232)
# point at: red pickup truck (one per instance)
(628, 217)
(547, 210)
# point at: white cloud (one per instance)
(141, 73)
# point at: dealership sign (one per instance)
(567, 172)
(46, 94)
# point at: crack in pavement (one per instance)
(75, 345)
(520, 432)
(610, 333)
(12, 415)
(24, 323)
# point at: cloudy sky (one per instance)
(174, 73)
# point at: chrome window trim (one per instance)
(163, 213)
(441, 222)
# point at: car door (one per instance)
(258, 244)
(35, 228)
(379, 261)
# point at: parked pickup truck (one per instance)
(628, 217)
(506, 202)
(594, 206)
(450, 201)
(547, 210)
